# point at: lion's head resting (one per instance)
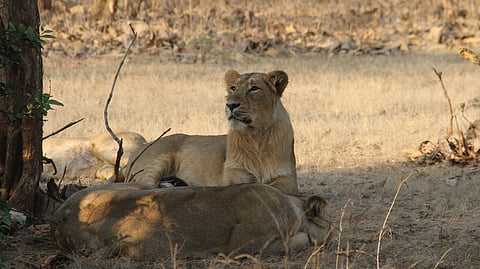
(252, 98)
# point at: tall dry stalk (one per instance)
(382, 230)
(314, 254)
(173, 251)
(340, 230)
(285, 236)
(463, 149)
(317, 249)
(450, 127)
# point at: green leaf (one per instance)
(55, 102)
(49, 36)
(31, 35)
(21, 28)
(10, 117)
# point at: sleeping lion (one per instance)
(258, 147)
(143, 223)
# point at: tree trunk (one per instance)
(21, 139)
(44, 4)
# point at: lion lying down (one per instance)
(88, 157)
(135, 221)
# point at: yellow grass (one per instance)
(347, 111)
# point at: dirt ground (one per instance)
(433, 224)
(430, 218)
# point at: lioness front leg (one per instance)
(232, 176)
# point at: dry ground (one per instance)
(352, 117)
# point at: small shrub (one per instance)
(6, 227)
(6, 223)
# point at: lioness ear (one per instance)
(279, 79)
(230, 77)
(315, 206)
(316, 210)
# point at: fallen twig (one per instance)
(441, 258)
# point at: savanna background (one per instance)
(361, 91)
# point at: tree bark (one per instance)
(21, 139)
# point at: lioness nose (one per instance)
(232, 106)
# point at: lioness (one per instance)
(143, 223)
(88, 157)
(258, 146)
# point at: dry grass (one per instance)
(347, 111)
(349, 114)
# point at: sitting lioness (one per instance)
(258, 146)
(136, 221)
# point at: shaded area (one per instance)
(429, 218)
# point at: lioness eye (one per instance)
(232, 88)
(254, 89)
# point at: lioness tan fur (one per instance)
(259, 146)
(88, 157)
(135, 221)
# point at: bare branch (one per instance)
(63, 128)
(109, 99)
(128, 176)
(116, 167)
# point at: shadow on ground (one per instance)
(435, 214)
(432, 224)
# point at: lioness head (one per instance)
(253, 98)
